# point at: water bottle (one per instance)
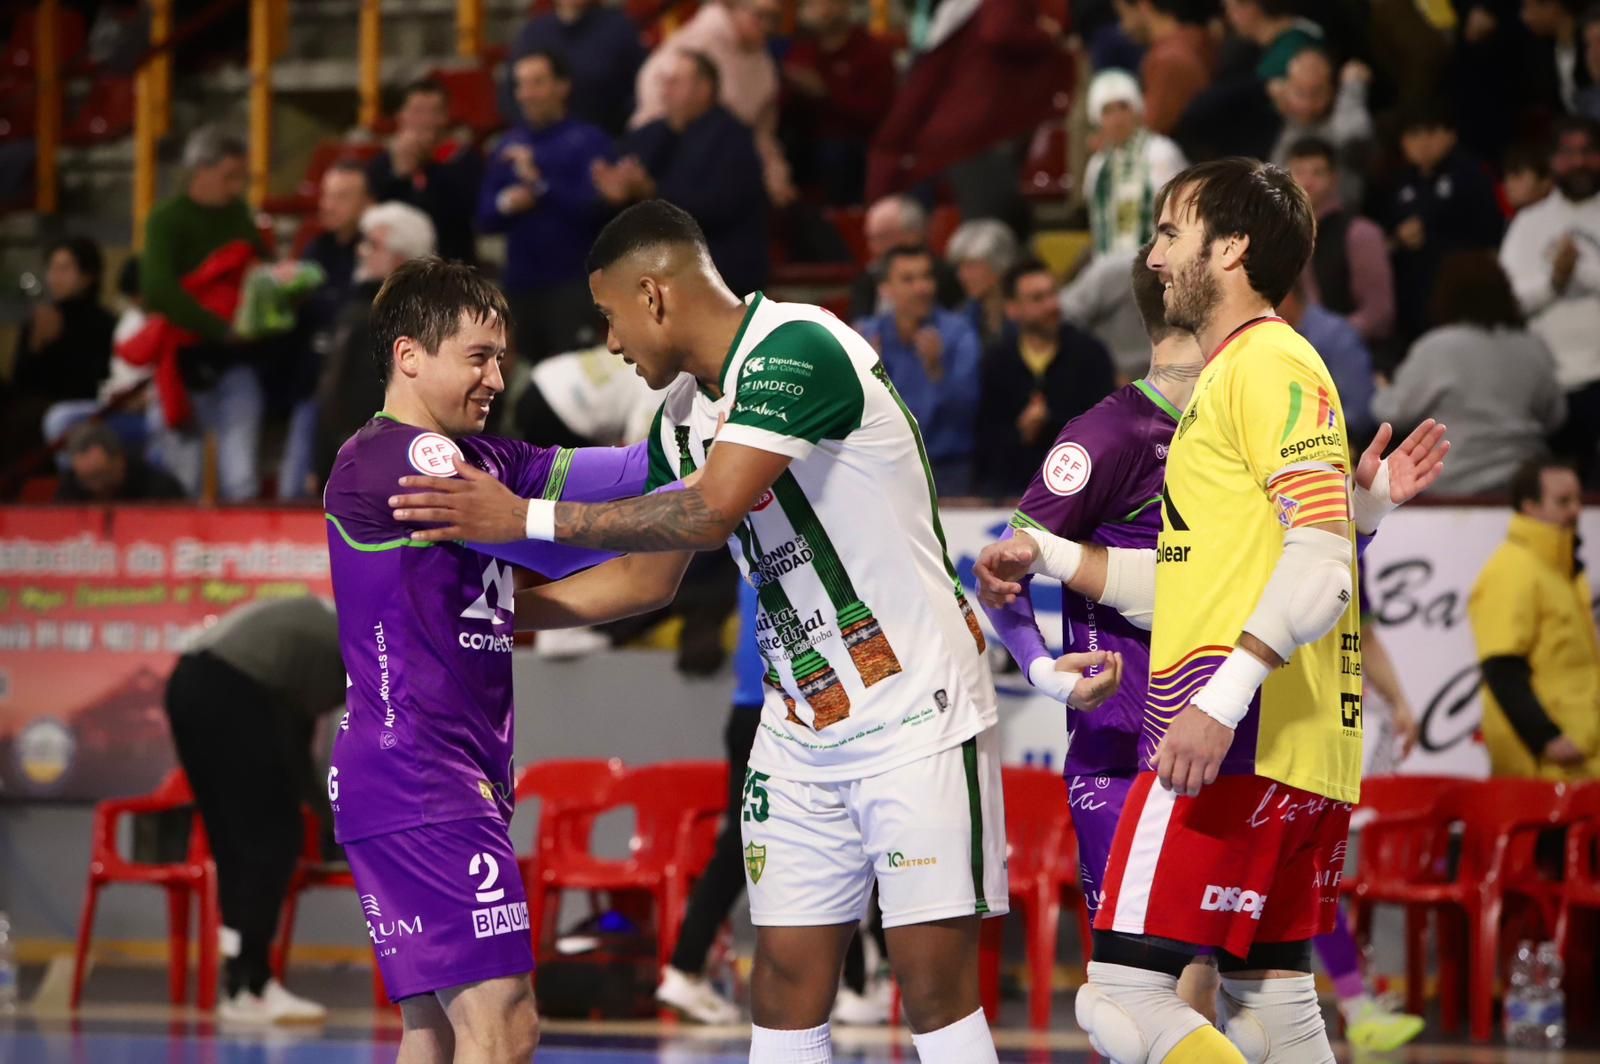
(1520, 1001)
(8, 969)
(1552, 1017)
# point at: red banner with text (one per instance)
(97, 603)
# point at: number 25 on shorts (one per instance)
(756, 805)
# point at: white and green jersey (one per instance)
(874, 656)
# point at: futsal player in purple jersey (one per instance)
(421, 776)
(1101, 483)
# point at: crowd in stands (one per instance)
(1450, 151)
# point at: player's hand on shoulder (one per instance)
(472, 505)
(1191, 753)
(1000, 567)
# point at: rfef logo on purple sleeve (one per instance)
(1066, 469)
(434, 455)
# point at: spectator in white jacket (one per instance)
(1129, 166)
(1551, 253)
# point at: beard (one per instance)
(1194, 295)
(1579, 184)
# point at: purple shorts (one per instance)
(1096, 803)
(445, 905)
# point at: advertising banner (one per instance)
(95, 606)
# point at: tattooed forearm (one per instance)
(669, 521)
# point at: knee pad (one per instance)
(1274, 1021)
(1112, 1030)
(1132, 1015)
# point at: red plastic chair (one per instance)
(1043, 855)
(677, 808)
(1395, 823)
(313, 873)
(1500, 820)
(571, 794)
(194, 877)
(1580, 900)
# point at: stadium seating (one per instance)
(192, 879)
(1580, 901)
(571, 794)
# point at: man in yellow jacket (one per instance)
(1534, 625)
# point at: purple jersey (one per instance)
(426, 629)
(1101, 483)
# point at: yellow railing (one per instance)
(370, 47)
(47, 117)
(152, 114)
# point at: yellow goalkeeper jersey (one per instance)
(1261, 449)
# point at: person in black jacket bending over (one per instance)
(1040, 375)
(702, 159)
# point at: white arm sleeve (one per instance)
(1309, 591)
(1131, 584)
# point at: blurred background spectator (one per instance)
(1349, 270)
(1041, 374)
(540, 191)
(1525, 175)
(1552, 255)
(585, 398)
(982, 252)
(1100, 302)
(100, 469)
(1179, 57)
(418, 167)
(64, 348)
(207, 384)
(603, 49)
(933, 358)
(1481, 372)
(838, 83)
(1129, 166)
(1311, 107)
(896, 222)
(1534, 629)
(705, 160)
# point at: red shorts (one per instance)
(1248, 860)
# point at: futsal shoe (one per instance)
(695, 999)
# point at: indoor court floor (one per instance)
(156, 1035)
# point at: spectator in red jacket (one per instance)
(838, 83)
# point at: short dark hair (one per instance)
(1247, 197)
(1148, 296)
(706, 67)
(1527, 483)
(905, 251)
(424, 299)
(349, 164)
(86, 256)
(650, 224)
(1472, 288)
(560, 69)
(1024, 268)
(1423, 115)
(1527, 155)
(428, 86)
(92, 435)
(1575, 124)
(1315, 148)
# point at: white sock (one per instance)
(790, 1047)
(1350, 1008)
(964, 1042)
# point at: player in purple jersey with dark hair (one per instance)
(421, 779)
(1101, 483)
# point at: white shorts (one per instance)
(932, 833)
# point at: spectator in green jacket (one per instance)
(217, 368)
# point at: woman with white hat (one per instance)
(1129, 167)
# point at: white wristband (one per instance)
(541, 522)
(1371, 507)
(1058, 558)
(1047, 679)
(1226, 696)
